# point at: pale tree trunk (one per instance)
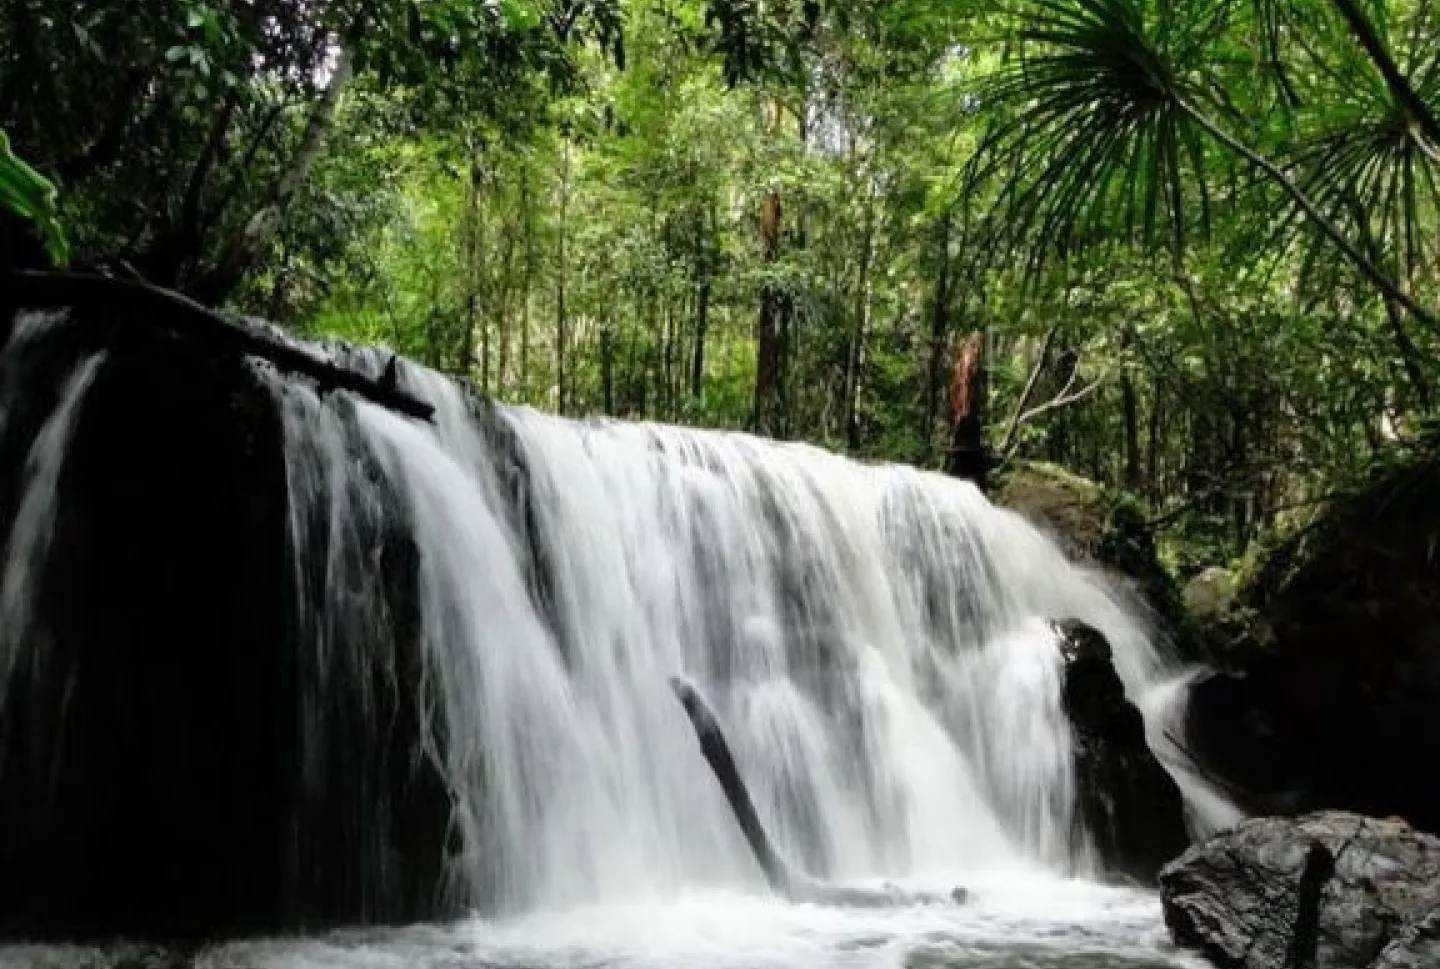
(473, 247)
(561, 321)
(527, 205)
(245, 246)
(855, 356)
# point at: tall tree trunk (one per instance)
(1130, 417)
(607, 364)
(967, 457)
(1057, 431)
(773, 325)
(769, 334)
(245, 246)
(561, 322)
(527, 284)
(502, 313)
(473, 248)
(939, 335)
(855, 355)
(1153, 461)
(705, 248)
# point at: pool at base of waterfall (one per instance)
(1010, 923)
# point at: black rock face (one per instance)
(1330, 691)
(1128, 802)
(1240, 898)
(153, 779)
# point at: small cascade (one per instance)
(485, 613)
(26, 553)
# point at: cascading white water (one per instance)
(26, 551)
(873, 637)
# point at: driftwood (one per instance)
(781, 878)
(187, 318)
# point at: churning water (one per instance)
(873, 637)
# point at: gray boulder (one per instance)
(1238, 898)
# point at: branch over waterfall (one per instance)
(152, 305)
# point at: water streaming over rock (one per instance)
(873, 637)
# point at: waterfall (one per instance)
(873, 637)
(26, 550)
(485, 613)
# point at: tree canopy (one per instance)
(1192, 246)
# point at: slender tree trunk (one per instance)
(245, 246)
(607, 364)
(939, 335)
(1130, 417)
(561, 322)
(967, 457)
(527, 205)
(771, 328)
(473, 247)
(502, 314)
(1057, 431)
(855, 355)
(704, 269)
(1152, 464)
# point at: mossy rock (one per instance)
(1105, 526)
(1071, 508)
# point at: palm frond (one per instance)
(1370, 168)
(1087, 142)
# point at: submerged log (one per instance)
(781, 878)
(185, 317)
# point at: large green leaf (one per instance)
(30, 195)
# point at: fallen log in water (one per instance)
(782, 880)
(183, 316)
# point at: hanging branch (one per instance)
(185, 317)
(1043, 357)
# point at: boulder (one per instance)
(1209, 595)
(1240, 898)
(1331, 674)
(1127, 802)
(1418, 947)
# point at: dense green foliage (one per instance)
(1200, 238)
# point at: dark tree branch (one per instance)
(187, 318)
(1417, 111)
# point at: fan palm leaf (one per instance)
(1100, 135)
